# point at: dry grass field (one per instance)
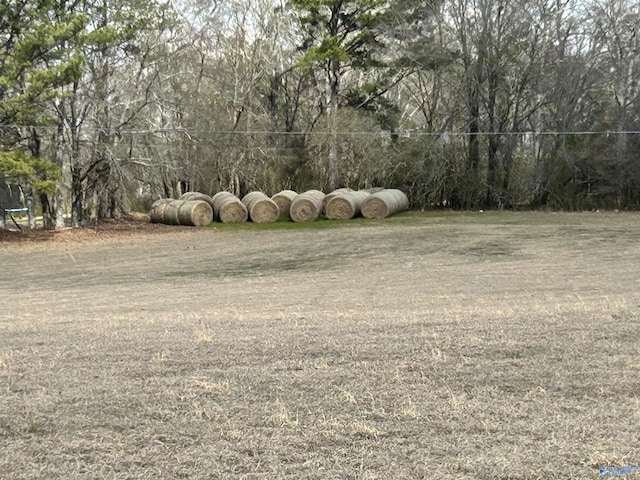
(444, 346)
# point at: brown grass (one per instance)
(466, 346)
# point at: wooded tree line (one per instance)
(464, 103)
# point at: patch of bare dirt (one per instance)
(137, 225)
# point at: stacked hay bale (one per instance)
(373, 189)
(197, 196)
(283, 199)
(261, 208)
(307, 206)
(384, 203)
(194, 213)
(227, 208)
(345, 205)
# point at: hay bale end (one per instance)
(307, 206)
(384, 203)
(261, 208)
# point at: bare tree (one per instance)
(97, 111)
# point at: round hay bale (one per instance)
(283, 199)
(197, 196)
(194, 213)
(307, 206)
(261, 208)
(227, 208)
(161, 201)
(156, 214)
(344, 206)
(373, 189)
(384, 203)
(170, 212)
(329, 196)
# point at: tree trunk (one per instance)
(58, 159)
(47, 212)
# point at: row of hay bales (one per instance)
(199, 209)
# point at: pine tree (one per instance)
(38, 55)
